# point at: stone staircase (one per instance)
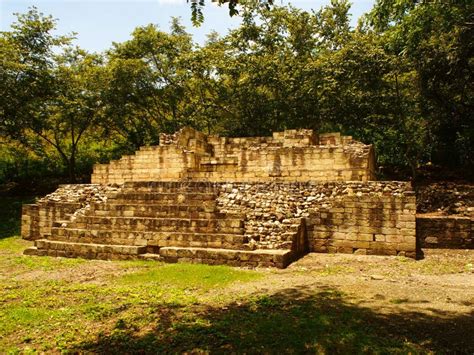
(172, 222)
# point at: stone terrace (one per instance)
(292, 155)
(239, 201)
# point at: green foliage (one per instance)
(435, 40)
(49, 100)
(10, 215)
(197, 6)
(401, 80)
(148, 84)
(27, 59)
(20, 164)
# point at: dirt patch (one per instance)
(88, 272)
(443, 281)
(430, 302)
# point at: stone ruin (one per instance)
(289, 156)
(262, 201)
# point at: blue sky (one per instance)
(99, 23)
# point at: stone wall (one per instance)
(445, 232)
(292, 155)
(347, 217)
(363, 218)
(370, 224)
(37, 219)
(445, 198)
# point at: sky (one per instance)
(99, 23)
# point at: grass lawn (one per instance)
(74, 305)
(59, 304)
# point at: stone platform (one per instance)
(259, 224)
(261, 201)
(162, 221)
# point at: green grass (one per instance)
(32, 263)
(45, 314)
(151, 307)
(13, 244)
(185, 276)
(56, 305)
(14, 263)
(321, 323)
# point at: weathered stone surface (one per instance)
(261, 201)
(445, 232)
(251, 258)
(446, 198)
(362, 217)
(84, 250)
(340, 216)
(292, 155)
(66, 202)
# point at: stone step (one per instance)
(150, 256)
(265, 258)
(168, 197)
(113, 205)
(154, 213)
(87, 250)
(31, 251)
(233, 226)
(167, 186)
(208, 204)
(154, 239)
(178, 211)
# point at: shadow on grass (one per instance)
(10, 214)
(291, 321)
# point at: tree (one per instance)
(76, 107)
(265, 73)
(435, 39)
(402, 80)
(148, 84)
(49, 100)
(26, 62)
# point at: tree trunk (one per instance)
(72, 168)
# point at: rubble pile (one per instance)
(446, 198)
(274, 210)
(85, 194)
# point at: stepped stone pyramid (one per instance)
(261, 201)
